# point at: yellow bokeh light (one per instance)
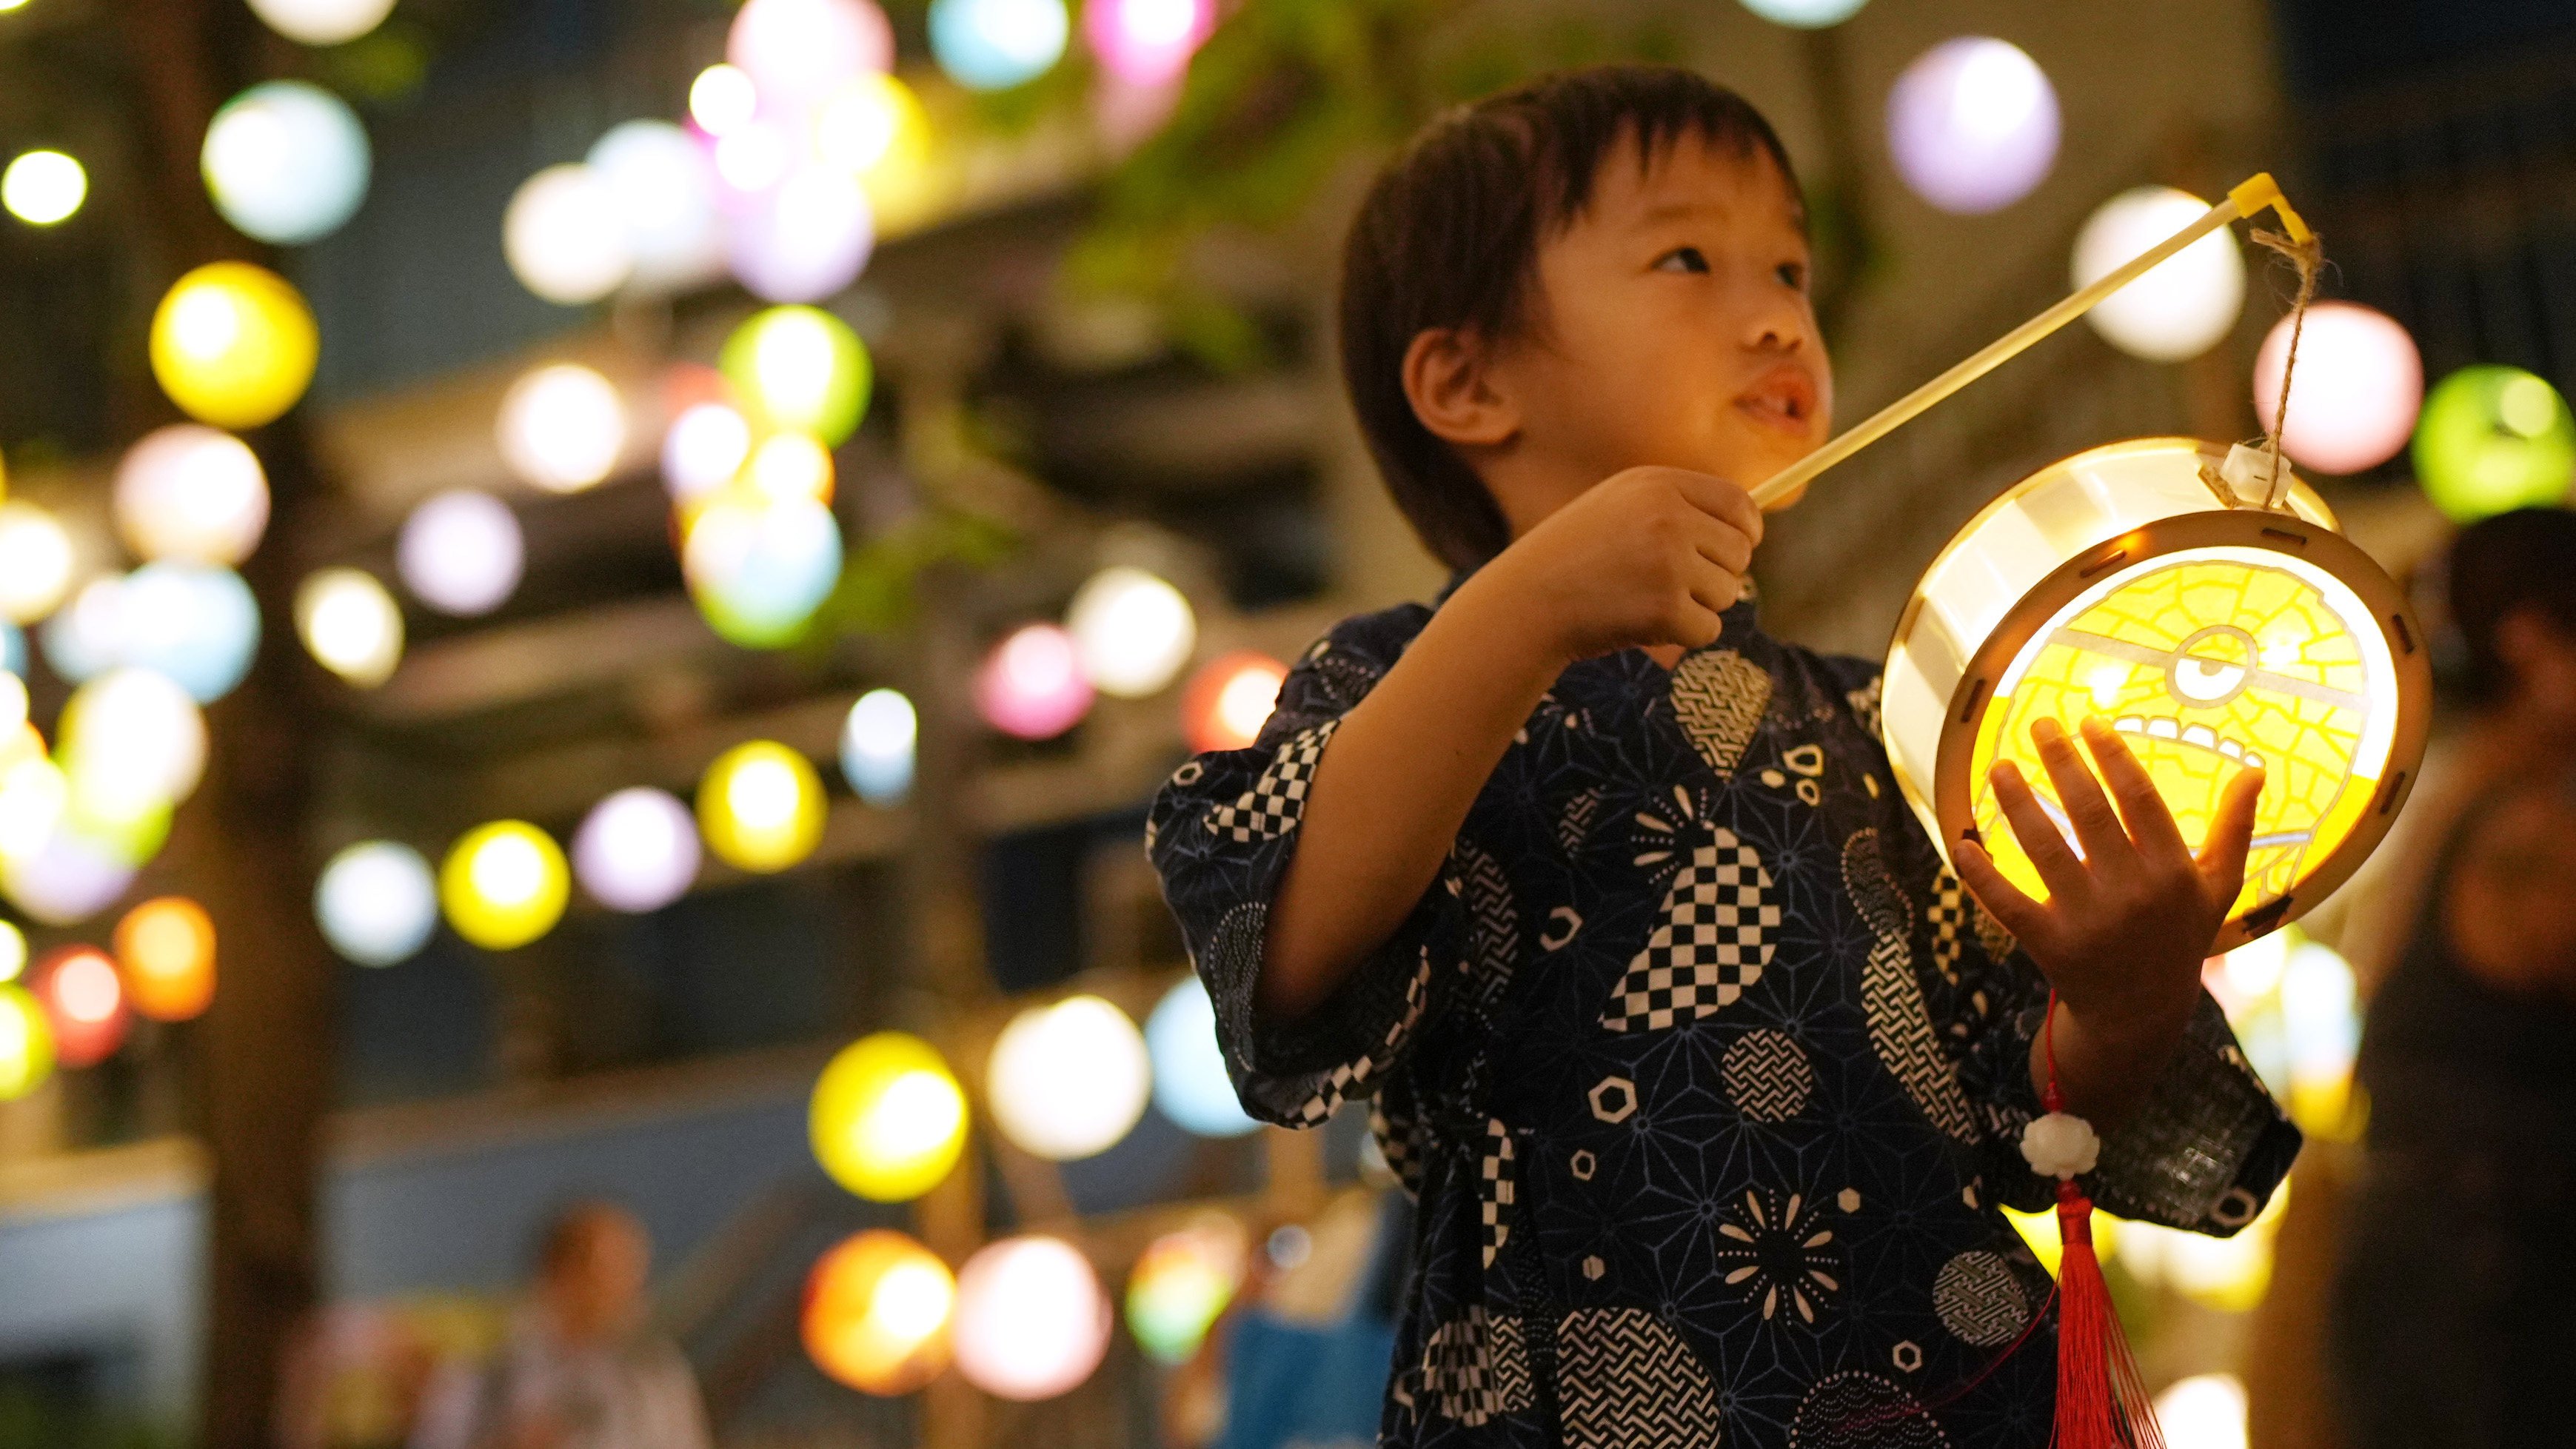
(887, 1119)
(41, 188)
(13, 952)
(166, 948)
(350, 625)
(877, 1309)
(790, 465)
(760, 807)
(26, 1043)
(234, 345)
(504, 885)
(875, 129)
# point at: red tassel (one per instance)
(2101, 1401)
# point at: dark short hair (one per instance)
(2502, 566)
(1449, 237)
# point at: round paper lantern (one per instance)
(286, 162)
(2204, 1411)
(460, 552)
(1806, 14)
(1190, 1082)
(801, 370)
(35, 562)
(189, 492)
(322, 22)
(637, 850)
(704, 449)
(803, 239)
(2359, 388)
(887, 1120)
(376, 903)
(195, 623)
(132, 742)
(562, 427)
(84, 1004)
(26, 1043)
(41, 188)
(565, 236)
(799, 51)
(2492, 439)
(759, 568)
(761, 807)
(1134, 631)
(1147, 42)
(1068, 1080)
(503, 885)
(876, 1313)
(1031, 685)
(1032, 1322)
(1182, 1281)
(234, 345)
(86, 637)
(877, 746)
(66, 879)
(790, 466)
(1230, 699)
(665, 185)
(1972, 125)
(722, 100)
(2183, 306)
(166, 947)
(350, 625)
(993, 45)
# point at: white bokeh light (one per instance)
(804, 239)
(2204, 1411)
(722, 100)
(565, 236)
(2188, 302)
(797, 52)
(637, 850)
(196, 623)
(1190, 1082)
(1134, 631)
(66, 880)
(377, 903)
(562, 427)
(461, 552)
(132, 741)
(878, 743)
(2357, 392)
(664, 183)
(1068, 1080)
(36, 561)
(1972, 125)
(191, 492)
(1806, 14)
(703, 450)
(86, 637)
(286, 162)
(322, 22)
(42, 188)
(350, 625)
(1032, 1321)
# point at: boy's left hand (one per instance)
(2128, 921)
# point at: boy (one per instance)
(1708, 1077)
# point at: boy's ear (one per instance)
(1452, 390)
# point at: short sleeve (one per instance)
(1221, 835)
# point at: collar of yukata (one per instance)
(1740, 620)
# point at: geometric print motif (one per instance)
(1720, 926)
(1394, 1131)
(1719, 695)
(1277, 800)
(1780, 1255)
(1626, 1380)
(1496, 1196)
(1900, 1023)
(1767, 1075)
(1477, 1367)
(1979, 1299)
(1341, 1080)
(1949, 923)
(1853, 1410)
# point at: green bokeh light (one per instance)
(2494, 439)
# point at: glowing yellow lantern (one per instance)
(760, 807)
(26, 1043)
(876, 1314)
(887, 1119)
(504, 885)
(166, 948)
(2150, 583)
(234, 345)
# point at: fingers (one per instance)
(2106, 843)
(1723, 544)
(2149, 820)
(2049, 853)
(2231, 835)
(1722, 501)
(2013, 909)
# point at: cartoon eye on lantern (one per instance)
(2214, 638)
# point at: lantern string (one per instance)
(2308, 258)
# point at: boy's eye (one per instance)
(1682, 259)
(1793, 275)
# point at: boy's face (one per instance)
(1671, 326)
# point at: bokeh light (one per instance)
(761, 807)
(166, 947)
(1972, 125)
(2182, 307)
(42, 188)
(789, 466)
(1068, 1080)
(84, 1002)
(2321, 1035)
(1032, 1322)
(33, 794)
(196, 623)
(722, 100)
(1190, 1082)
(66, 879)
(664, 183)
(705, 447)
(322, 22)
(875, 129)
(1147, 42)
(1134, 631)
(992, 45)
(286, 162)
(13, 649)
(26, 1043)
(878, 744)
(13, 711)
(799, 369)
(2360, 387)
(1806, 14)
(350, 625)
(803, 239)
(876, 1316)
(562, 427)
(2492, 439)
(503, 885)
(2204, 1411)
(887, 1119)
(753, 158)
(461, 552)
(36, 562)
(191, 492)
(637, 850)
(133, 743)
(13, 952)
(86, 637)
(376, 903)
(759, 568)
(1031, 685)
(1230, 699)
(565, 235)
(234, 345)
(799, 51)
(1181, 1282)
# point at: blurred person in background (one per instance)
(2454, 1309)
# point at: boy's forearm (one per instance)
(1395, 784)
(2106, 1064)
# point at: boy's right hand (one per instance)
(1649, 556)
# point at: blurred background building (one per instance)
(741, 507)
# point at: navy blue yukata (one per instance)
(1707, 1074)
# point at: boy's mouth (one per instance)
(1782, 398)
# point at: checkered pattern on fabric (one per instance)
(1277, 800)
(1949, 923)
(1394, 1126)
(1719, 930)
(1497, 1193)
(1345, 1081)
(1476, 1367)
